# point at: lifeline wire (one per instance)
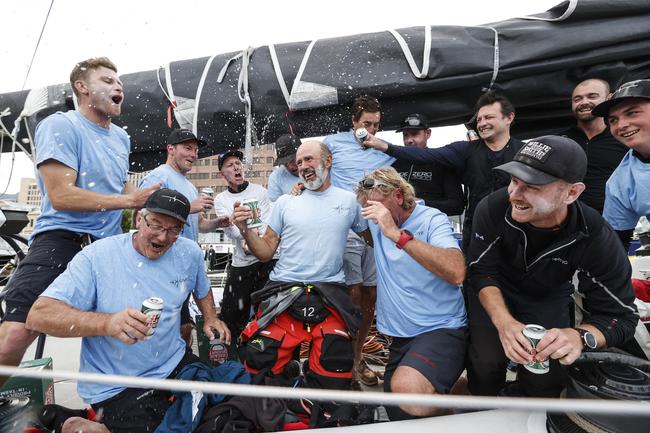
(37, 44)
(613, 407)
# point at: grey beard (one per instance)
(321, 173)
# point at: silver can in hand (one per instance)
(152, 308)
(534, 333)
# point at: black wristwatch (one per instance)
(589, 341)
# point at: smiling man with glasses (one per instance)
(99, 298)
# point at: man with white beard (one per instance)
(306, 298)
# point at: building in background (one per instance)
(29, 193)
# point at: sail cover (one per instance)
(306, 87)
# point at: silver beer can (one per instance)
(534, 333)
(361, 134)
(152, 308)
(207, 191)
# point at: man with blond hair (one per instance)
(82, 161)
(419, 302)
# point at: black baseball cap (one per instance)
(547, 159)
(631, 90)
(169, 202)
(414, 121)
(228, 154)
(178, 136)
(286, 147)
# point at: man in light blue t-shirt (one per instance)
(419, 301)
(182, 151)
(99, 298)
(285, 176)
(350, 163)
(305, 298)
(82, 161)
(627, 197)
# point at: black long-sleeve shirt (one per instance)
(604, 153)
(474, 160)
(498, 257)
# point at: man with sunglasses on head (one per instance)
(99, 298)
(436, 184)
(419, 301)
(305, 298)
(82, 162)
(350, 162)
(182, 151)
(475, 159)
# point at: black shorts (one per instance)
(439, 355)
(48, 256)
(139, 409)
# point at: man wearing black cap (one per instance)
(246, 274)
(182, 151)
(100, 295)
(628, 189)
(475, 159)
(527, 242)
(285, 175)
(439, 186)
(604, 152)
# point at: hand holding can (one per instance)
(152, 308)
(255, 219)
(533, 334)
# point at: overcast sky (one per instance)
(141, 35)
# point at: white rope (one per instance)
(181, 117)
(168, 80)
(278, 73)
(244, 96)
(613, 407)
(567, 13)
(426, 52)
(199, 91)
(303, 65)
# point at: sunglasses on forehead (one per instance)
(370, 183)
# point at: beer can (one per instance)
(207, 191)
(534, 333)
(361, 134)
(253, 205)
(217, 351)
(152, 308)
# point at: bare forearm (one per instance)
(259, 246)
(206, 306)
(77, 199)
(56, 318)
(446, 263)
(494, 304)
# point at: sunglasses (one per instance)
(370, 183)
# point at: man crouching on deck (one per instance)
(527, 242)
(99, 298)
(419, 302)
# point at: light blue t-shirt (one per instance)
(281, 182)
(350, 162)
(110, 275)
(313, 228)
(100, 157)
(628, 193)
(410, 299)
(170, 178)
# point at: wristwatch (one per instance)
(404, 237)
(589, 342)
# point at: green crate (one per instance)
(39, 391)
